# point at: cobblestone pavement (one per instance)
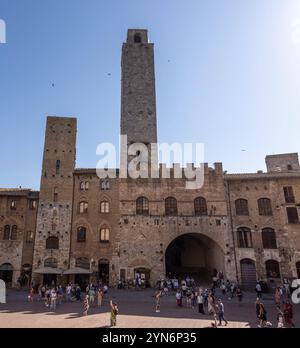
(136, 310)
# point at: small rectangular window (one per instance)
(29, 237)
(13, 205)
(58, 163)
(32, 204)
(292, 215)
(289, 194)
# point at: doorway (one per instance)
(103, 269)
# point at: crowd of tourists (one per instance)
(187, 294)
(205, 300)
(53, 296)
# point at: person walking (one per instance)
(278, 297)
(239, 294)
(68, 292)
(53, 299)
(220, 312)
(257, 308)
(211, 304)
(114, 311)
(288, 314)
(99, 297)
(158, 297)
(178, 298)
(200, 301)
(31, 294)
(262, 315)
(86, 305)
(60, 294)
(91, 294)
(258, 289)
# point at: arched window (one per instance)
(83, 207)
(51, 262)
(84, 185)
(241, 207)
(81, 234)
(142, 206)
(104, 207)
(269, 238)
(82, 262)
(104, 234)
(244, 237)
(264, 207)
(171, 206)
(200, 206)
(58, 163)
(14, 233)
(52, 243)
(298, 269)
(272, 269)
(6, 235)
(105, 185)
(137, 38)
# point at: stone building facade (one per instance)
(81, 228)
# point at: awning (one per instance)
(77, 270)
(48, 270)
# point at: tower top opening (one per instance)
(136, 36)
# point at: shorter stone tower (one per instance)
(52, 240)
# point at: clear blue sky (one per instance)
(233, 80)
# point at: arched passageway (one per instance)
(195, 255)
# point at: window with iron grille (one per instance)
(289, 194)
(272, 269)
(244, 237)
(292, 215)
(51, 262)
(241, 207)
(52, 243)
(264, 207)
(142, 206)
(81, 234)
(200, 206)
(269, 238)
(83, 263)
(171, 206)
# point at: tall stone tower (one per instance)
(138, 100)
(52, 243)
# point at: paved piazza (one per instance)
(136, 310)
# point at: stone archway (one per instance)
(196, 255)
